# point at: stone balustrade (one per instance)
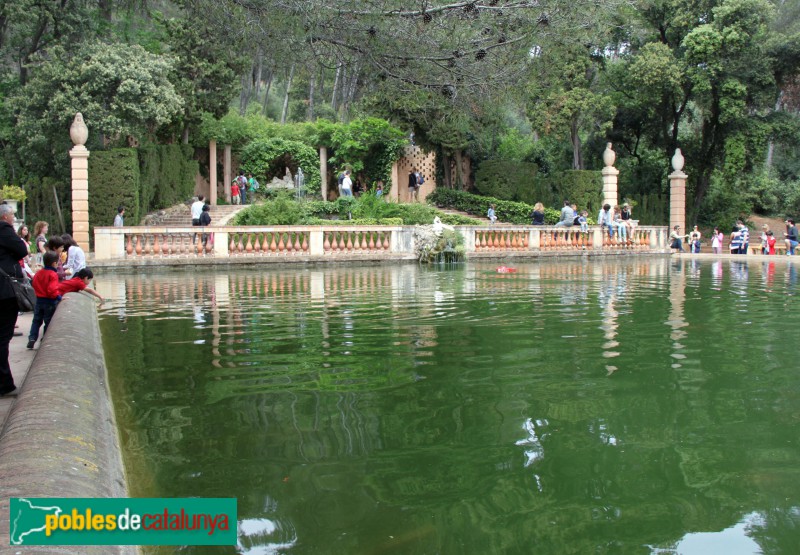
(146, 242)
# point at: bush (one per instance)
(366, 210)
(505, 179)
(269, 158)
(40, 204)
(114, 181)
(507, 211)
(167, 175)
(283, 210)
(581, 187)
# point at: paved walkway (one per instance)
(20, 359)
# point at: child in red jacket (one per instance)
(45, 284)
(79, 283)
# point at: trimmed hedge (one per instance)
(505, 180)
(40, 204)
(581, 187)
(141, 180)
(506, 210)
(652, 208)
(114, 180)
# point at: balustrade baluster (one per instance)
(342, 244)
(281, 245)
(386, 240)
(138, 248)
(304, 245)
(129, 245)
(326, 243)
(297, 246)
(372, 240)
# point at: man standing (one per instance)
(745, 233)
(413, 184)
(242, 182)
(347, 185)
(119, 218)
(12, 250)
(567, 215)
(197, 211)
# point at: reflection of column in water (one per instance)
(610, 324)
(317, 285)
(114, 290)
(677, 299)
(221, 295)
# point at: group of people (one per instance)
(350, 188)
(615, 222)
(57, 266)
(201, 218)
(241, 186)
(739, 239)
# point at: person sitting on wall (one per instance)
(605, 219)
(567, 215)
(676, 239)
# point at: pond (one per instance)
(634, 405)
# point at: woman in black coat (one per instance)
(12, 250)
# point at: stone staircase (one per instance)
(180, 215)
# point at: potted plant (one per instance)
(13, 194)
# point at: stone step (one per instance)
(180, 215)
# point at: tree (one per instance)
(121, 90)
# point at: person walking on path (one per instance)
(347, 185)
(12, 250)
(119, 219)
(241, 181)
(205, 220)
(197, 210)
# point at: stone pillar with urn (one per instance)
(78, 132)
(677, 193)
(610, 177)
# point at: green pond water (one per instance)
(638, 405)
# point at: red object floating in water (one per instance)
(506, 270)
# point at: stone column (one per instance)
(677, 193)
(212, 172)
(610, 177)
(227, 173)
(78, 132)
(323, 171)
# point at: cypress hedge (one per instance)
(114, 180)
(144, 179)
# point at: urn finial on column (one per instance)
(78, 131)
(609, 156)
(677, 160)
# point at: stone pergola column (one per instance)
(677, 193)
(212, 172)
(323, 171)
(227, 173)
(78, 132)
(610, 177)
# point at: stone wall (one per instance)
(61, 439)
(425, 163)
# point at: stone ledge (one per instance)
(60, 439)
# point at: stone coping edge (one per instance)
(61, 438)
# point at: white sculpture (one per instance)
(78, 131)
(677, 160)
(609, 156)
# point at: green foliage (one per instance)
(581, 187)
(121, 90)
(365, 210)
(268, 158)
(12, 192)
(114, 181)
(507, 211)
(167, 175)
(282, 210)
(505, 179)
(41, 203)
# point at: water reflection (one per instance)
(580, 407)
